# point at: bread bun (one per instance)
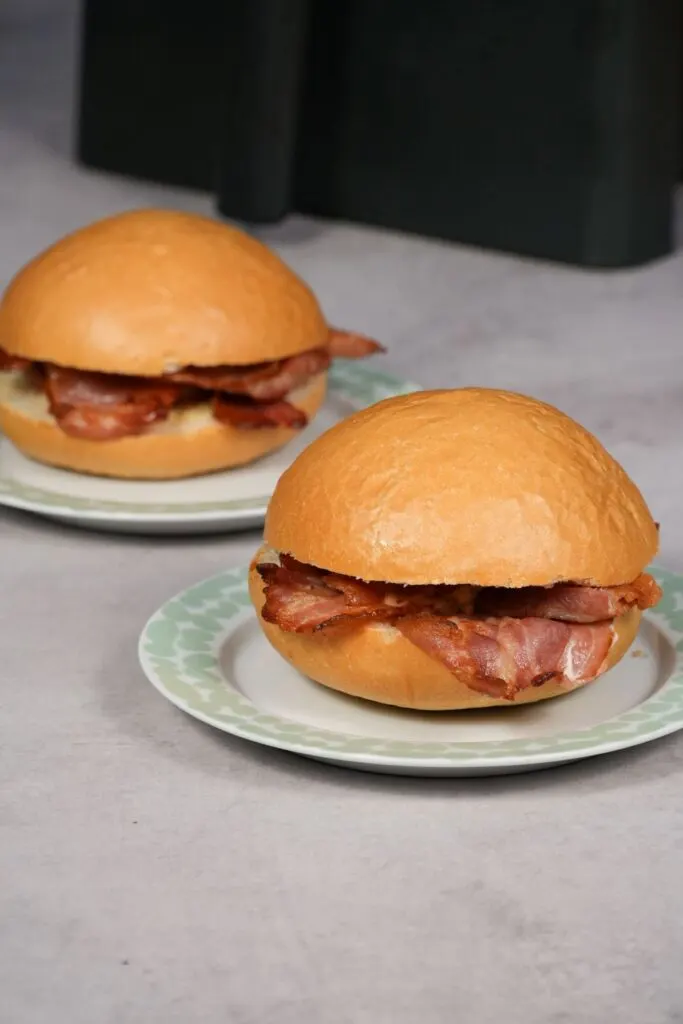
(148, 291)
(376, 662)
(466, 486)
(190, 442)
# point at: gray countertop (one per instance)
(154, 871)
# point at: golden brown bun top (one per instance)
(149, 290)
(469, 486)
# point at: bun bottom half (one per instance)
(189, 443)
(377, 663)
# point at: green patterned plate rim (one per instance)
(180, 649)
(358, 384)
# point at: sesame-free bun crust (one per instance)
(189, 443)
(465, 486)
(377, 663)
(149, 290)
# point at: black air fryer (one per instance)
(546, 129)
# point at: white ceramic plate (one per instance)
(233, 500)
(205, 652)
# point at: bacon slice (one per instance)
(563, 602)
(264, 382)
(103, 407)
(9, 362)
(501, 657)
(347, 345)
(300, 599)
(268, 382)
(569, 602)
(330, 597)
(468, 629)
(248, 415)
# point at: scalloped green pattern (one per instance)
(354, 382)
(180, 646)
